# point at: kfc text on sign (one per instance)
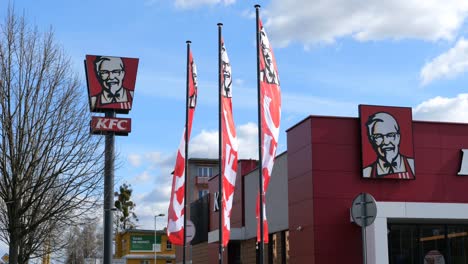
(106, 124)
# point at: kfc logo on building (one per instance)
(102, 125)
(111, 83)
(387, 142)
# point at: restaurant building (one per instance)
(415, 170)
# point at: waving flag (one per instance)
(228, 145)
(270, 115)
(176, 212)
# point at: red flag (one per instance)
(176, 212)
(270, 111)
(229, 145)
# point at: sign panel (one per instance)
(111, 82)
(6, 258)
(143, 242)
(387, 142)
(364, 210)
(190, 231)
(102, 125)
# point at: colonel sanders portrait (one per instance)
(383, 132)
(226, 73)
(110, 72)
(269, 74)
(193, 97)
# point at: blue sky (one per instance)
(332, 55)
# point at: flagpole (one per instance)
(186, 149)
(220, 179)
(260, 169)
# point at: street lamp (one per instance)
(155, 235)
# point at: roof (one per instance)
(143, 231)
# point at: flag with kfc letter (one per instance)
(176, 212)
(229, 145)
(270, 111)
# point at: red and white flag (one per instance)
(176, 212)
(229, 145)
(270, 111)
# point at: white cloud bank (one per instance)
(205, 144)
(315, 21)
(446, 109)
(447, 65)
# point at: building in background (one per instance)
(135, 246)
(199, 172)
(242, 247)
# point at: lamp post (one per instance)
(155, 235)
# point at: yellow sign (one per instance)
(6, 258)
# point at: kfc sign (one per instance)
(111, 83)
(387, 142)
(102, 125)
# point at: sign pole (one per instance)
(108, 191)
(260, 157)
(220, 151)
(363, 228)
(111, 87)
(363, 213)
(364, 251)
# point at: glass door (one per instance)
(433, 245)
(428, 244)
(458, 244)
(403, 242)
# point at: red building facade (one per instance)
(325, 174)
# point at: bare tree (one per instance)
(84, 243)
(50, 165)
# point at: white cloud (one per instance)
(143, 178)
(447, 65)
(197, 3)
(247, 136)
(446, 109)
(146, 209)
(205, 144)
(316, 21)
(134, 160)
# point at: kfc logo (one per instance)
(121, 126)
(111, 83)
(387, 142)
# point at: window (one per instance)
(168, 245)
(428, 243)
(205, 171)
(202, 193)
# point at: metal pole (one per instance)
(364, 251)
(260, 176)
(364, 224)
(186, 150)
(155, 238)
(220, 179)
(108, 191)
